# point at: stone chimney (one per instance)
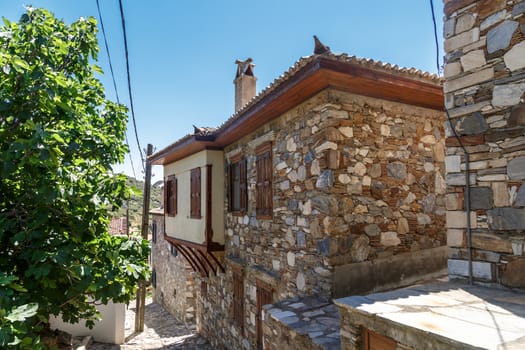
(244, 83)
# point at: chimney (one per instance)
(244, 83)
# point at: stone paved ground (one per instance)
(161, 331)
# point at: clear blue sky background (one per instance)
(182, 52)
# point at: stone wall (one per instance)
(355, 179)
(484, 95)
(175, 287)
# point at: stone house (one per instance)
(329, 182)
(485, 143)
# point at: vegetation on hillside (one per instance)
(135, 201)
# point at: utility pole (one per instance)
(141, 290)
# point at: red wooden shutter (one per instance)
(170, 196)
(264, 197)
(238, 299)
(195, 201)
(173, 198)
(264, 296)
(243, 186)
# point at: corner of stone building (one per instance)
(485, 98)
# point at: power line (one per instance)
(467, 162)
(114, 82)
(129, 83)
(435, 37)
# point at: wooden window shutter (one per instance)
(263, 164)
(243, 185)
(170, 196)
(195, 188)
(237, 185)
(264, 295)
(238, 299)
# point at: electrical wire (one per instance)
(129, 83)
(435, 37)
(113, 78)
(467, 159)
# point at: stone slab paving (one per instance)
(161, 331)
(476, 316)
(312, 316)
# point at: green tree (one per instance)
(59, 137)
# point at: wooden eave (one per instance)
(314, 77)
(199, 256)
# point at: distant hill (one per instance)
(135, 202)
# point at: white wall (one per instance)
(182, 226)
(110, 329)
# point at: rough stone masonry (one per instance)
(484, 94)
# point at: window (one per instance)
(238, 299)
(238, 196)
(263, 164)
(264, 296)
(170, 196)
(195, 188)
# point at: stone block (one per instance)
(323, 247)
(360, 249)
(463, 110)
(459, 179)
(507, 95)
(516, 168)
(453, 164)
(460, 40)
(372, 230)
(300, 239)
(473, 59)
(455, 238)
(491, 242)
(514, 58)
(448, 28)
(397, 170)
(454, 5)
(480, 269)
(518, 9)
(452, 202)
(500, 193)
(464, 23)
(325, 180)
(468, 80)
(452, 69)
(389, 239)
(488, 7)
(458, 219)
(517, 116)
(481, 198)
(506, 219)
(473, 124)
(493, 19)
(498, 38)
(520, 197)
(513, 275)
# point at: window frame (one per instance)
(170, 196)
(240, 163)
(264, 181)
(196, 193)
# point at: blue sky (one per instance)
(182, 52)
